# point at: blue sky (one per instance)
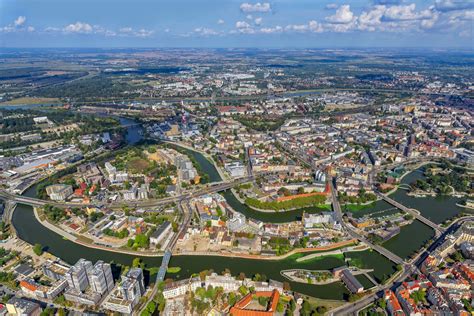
(231, 23)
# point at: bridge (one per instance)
(439, 230)
(212, 188)
(337, 209)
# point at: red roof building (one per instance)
(242, 308)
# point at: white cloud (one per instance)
(405, 13)
(343, 20)
(7, 29)
(311, 26)
(397, 18)
(315, 27)
(130, 31)
(249, 17)
(343, 15)
(244, 27)
(126, 30)
(453, 5)
(257, 7)
(258, 21)
(78, 27)
(331, 6)
(241, 25)
(144, 33)
(371, 20)
(204, 31)
(220, 21)
(19, 21)
(271, 30)
(30, 29)
(52, 29)
(388, 2)
(297, 28)
(459, 18)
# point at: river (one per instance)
(412, 237)
(438, 209)
(30, 230)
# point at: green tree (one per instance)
(38, 249)
(137, 263)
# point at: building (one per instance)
(467, 250)
(100, 278)
(76, 277)
(393, 305)
(127, 294)
(33, 289)
(158, 235)
(312, 220)
(142, 192)
(349, 280)
(19, 306)
(130, 195)
(179, 288)
(59, 192)
(88, 283)
(235, 169)
(245, 308)
(54, 270)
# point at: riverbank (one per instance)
(268, 217)
(186, 146)
(77, 239)
(323, 206)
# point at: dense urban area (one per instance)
(236, 182)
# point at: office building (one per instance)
(59, 192)
(127, 294)
(76, 277)
(101, 279)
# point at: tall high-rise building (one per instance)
(76, 277)
(132, 286)
(137, 274)
(127, 294)
(100, 278)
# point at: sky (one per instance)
(232, 23)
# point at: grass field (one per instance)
(29, 100)
(137, 165)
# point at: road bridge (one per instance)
(439, 230)
(212, 188)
